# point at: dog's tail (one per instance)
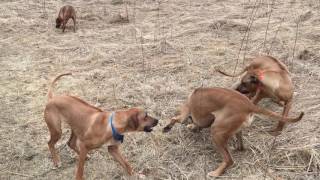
(230, 75)
(50, 94)
(266, 112)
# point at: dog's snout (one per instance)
(242, 89)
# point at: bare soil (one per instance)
(167, 49)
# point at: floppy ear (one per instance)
(133, 121)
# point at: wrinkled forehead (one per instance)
(141, 113)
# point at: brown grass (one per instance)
(167, 49)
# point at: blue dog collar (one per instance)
(115, 134)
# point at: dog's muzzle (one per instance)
(149, 128)
(242, 89)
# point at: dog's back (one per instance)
(268, 63)
(67, 12)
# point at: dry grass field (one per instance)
(167, 49)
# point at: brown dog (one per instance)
(65, 13)
(91, 127)
(266, 77)
(226, 111)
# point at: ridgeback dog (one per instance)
(91, 127)
(266, 77)
(227, 112)
(65, 13)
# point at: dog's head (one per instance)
(58, 22)
(139, 120)
(249, 83)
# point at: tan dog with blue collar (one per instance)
(91, 127)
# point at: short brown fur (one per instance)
(65, 13)
(226, 111)
(266, 77)
(90, 128)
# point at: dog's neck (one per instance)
(120, 121)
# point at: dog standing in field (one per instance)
(91, 127)
(65, 13)
(227, 112)
(266, 77)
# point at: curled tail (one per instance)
(269, 113)
(50, 94)
(227, 74)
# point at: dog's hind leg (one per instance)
(221, 141)
(54, 126)
(72, 142)
(221, 132)
(281, 124)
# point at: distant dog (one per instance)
(227, 112)
(91, 127)
(266, 77)
(65, 13)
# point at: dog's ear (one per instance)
(254, 80)
(133, 121)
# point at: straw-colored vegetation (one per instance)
(154, 61)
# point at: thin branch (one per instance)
(243, 38)
(269, 155)
(266, 33)
(248, 34)
(274, 37)
(295, 41)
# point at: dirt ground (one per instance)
(167, 49)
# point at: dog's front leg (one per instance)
(115, 152)
(257, 97)
(82, 157)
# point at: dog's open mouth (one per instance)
(147, 129)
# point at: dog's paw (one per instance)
(214, 173)
(57, 165)
(166, 129)
(193, 128)
(141, 175)
(274, 132)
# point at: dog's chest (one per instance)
(271, 84)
